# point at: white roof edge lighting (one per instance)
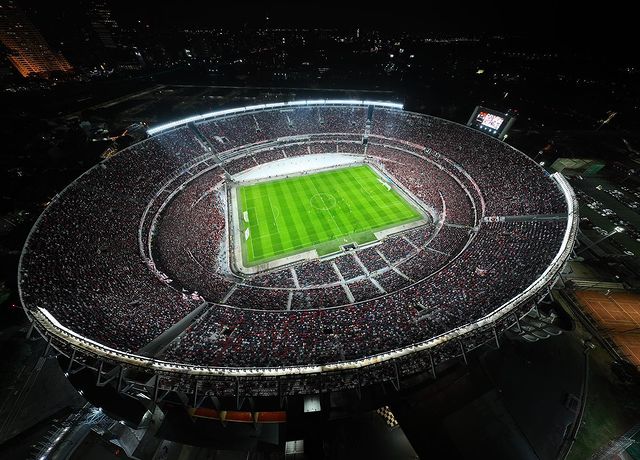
(221, 113)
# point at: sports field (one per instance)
(319, 211)
(618, 314)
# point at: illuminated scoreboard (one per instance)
(491, 121)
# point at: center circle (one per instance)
(322, 201)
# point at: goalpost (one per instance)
(387, 186)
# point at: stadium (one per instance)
(291, 249)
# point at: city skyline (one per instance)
(27, 49)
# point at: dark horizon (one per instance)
(606, 33)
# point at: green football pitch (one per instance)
(319, 211)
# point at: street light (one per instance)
(616, 229)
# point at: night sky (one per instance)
(545, 19)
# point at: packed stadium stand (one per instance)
(137, 251)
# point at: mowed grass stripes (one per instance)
(317, 211)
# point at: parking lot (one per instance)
(605, 208)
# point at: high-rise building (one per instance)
(103, 24)
(26, 48)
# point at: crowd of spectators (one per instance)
(489, 162)
(391, 281)
(348, 266)
(396, 248)
(421, 235)
(259, 298)
(341, 120)
(83, 260)
(240, 164)
(363, 289)
(422, 264)
(277, 278)
(249, 128)
(327, 296)
(274, 124)
(355, 148)
(371, 259)
(428, 182)
(267, 156)
(227, 133)
(315, 273)
(190, 237)
(449, 239)
(296, 150)
(323, 147)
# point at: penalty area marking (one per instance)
(275, 213)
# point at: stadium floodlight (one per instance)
(615, 230)
(393, 105)
(344, 101)
(228, 111)
(173, 124)
(255, 107)
(221, 113)
(272, 105)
